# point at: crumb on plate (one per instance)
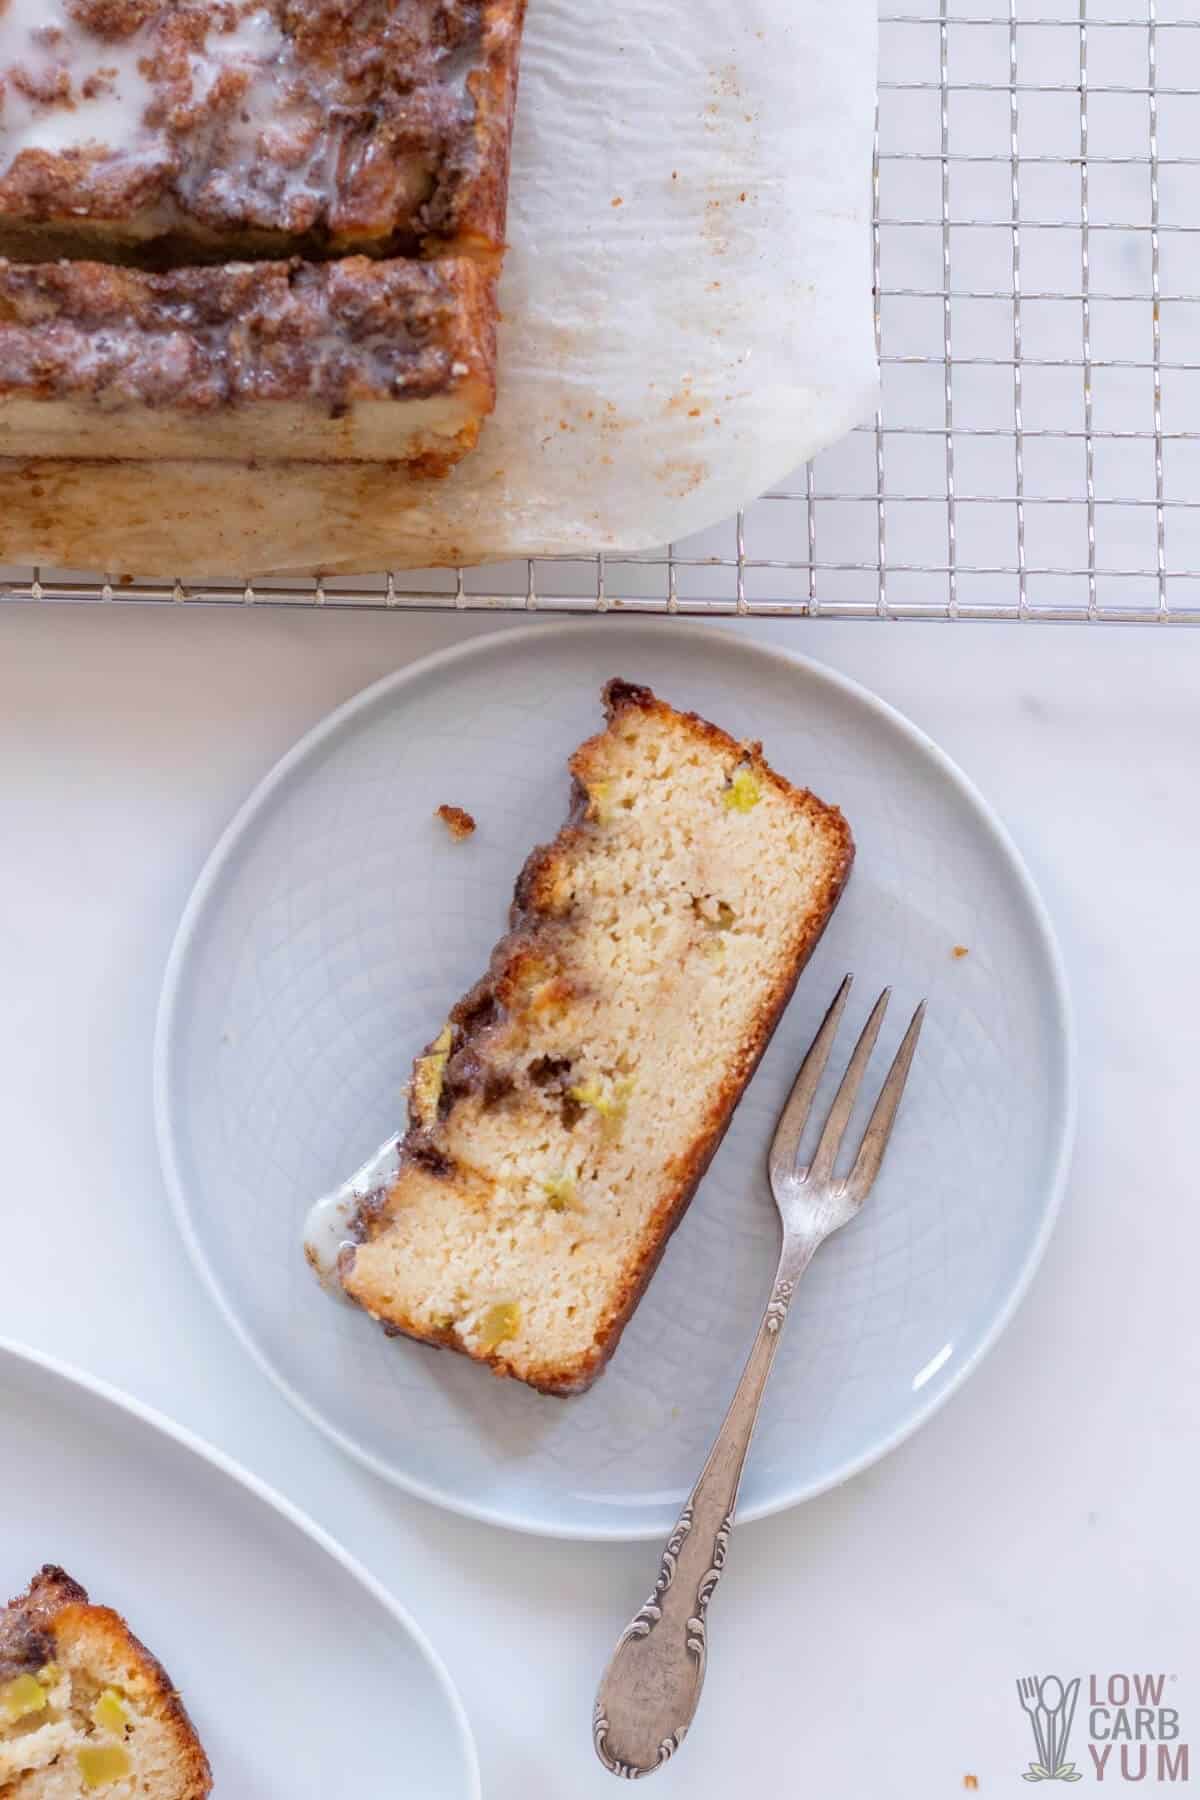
(457, 821)
(971, 1781)
(959, 951)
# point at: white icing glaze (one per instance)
(255, 42)
(327, 1224)
(266, 109)
(43, 42)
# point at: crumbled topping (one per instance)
(457, 820)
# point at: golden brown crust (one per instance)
(55, 1608)
(526, 955)
(260, 127)
(158, 1696)
(476, 222)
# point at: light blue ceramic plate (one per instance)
(335, 923)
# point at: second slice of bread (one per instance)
(84, 1707)
(562, 1119)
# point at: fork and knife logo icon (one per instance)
(1051, 1708)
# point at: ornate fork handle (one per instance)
(652, 1685)
(651, 1688)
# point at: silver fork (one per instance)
(651, 1688)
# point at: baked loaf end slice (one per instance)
(356, 360)
(562, 1119)
(84, 1707)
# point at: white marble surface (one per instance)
(868, 1643)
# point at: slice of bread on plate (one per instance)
(561, 1120)
(85, 1708)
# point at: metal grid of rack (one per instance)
(1036, 455)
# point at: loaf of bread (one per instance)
(564, 1115)
(342, 168)
(85, 1708)
(176, 131)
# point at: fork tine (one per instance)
(883, 1116)
(785, 1144)
(834, 1130)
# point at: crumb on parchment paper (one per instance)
(959, 951)
(971, 1781)
(458, 822)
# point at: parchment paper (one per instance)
(686, 317)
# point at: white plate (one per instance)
(264, 1623)
(335, 923)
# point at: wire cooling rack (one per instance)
(1036, 455)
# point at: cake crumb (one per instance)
(971, 1781)
(458, 823)
(959, 951)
